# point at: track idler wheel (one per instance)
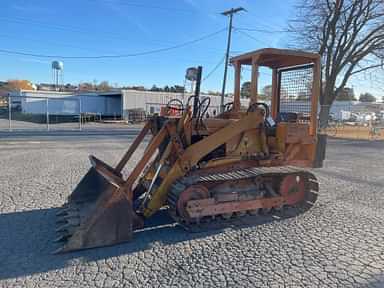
(195, 192)
(292, 188)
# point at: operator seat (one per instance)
(270, 126)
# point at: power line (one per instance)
(89, 33)
(85, 48)
(139, 5)
(261, 30)
(250, 36)
(29, 36)
(265, 23)
(214, 68)
(194, 9)
(154, 51)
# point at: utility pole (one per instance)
(230, 14)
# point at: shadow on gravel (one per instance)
(26, 239)
(378, 283)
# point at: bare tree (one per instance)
(367, 97)
(19, 84)
(103, 86)
(348, 34)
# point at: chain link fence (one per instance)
(85, 112)
(25, 113)
(348, 119)
(40, 113)
(356, 120)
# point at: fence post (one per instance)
(80, 113)
(47, 112)
(9, 113)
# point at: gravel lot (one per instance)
(338, 243)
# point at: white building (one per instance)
(339, 109)
(116, 104)
(152, 101)
(106, 104)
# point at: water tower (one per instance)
(57, 73)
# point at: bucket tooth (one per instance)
(60, 228)
(98, 213)
(74, 221)
(62, 237)
(67, 227)
(108, 220)
(60, 221)
(66, 211)
(62, 212)
(59, 250)
(72, 217)
(71, 214)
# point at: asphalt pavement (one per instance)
(337, 243)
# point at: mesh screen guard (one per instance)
(295, 89)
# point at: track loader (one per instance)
(243, 162)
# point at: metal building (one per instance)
(111, 104)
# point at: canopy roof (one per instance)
(276, 58)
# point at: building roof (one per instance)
(69, 93)
(276, 58)
(43, 92)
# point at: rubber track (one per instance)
(311, 188)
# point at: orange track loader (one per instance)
(245, 162)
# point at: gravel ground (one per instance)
(338, 243)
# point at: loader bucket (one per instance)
(97, 214)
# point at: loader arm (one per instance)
(229, 166)
(194, 153)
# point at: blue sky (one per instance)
(99, 27)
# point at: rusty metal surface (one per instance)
(107, 220)
(292, 188)
(204, 210)
(171, 153)
(208, 207)
(99, 211)
(194, 192)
